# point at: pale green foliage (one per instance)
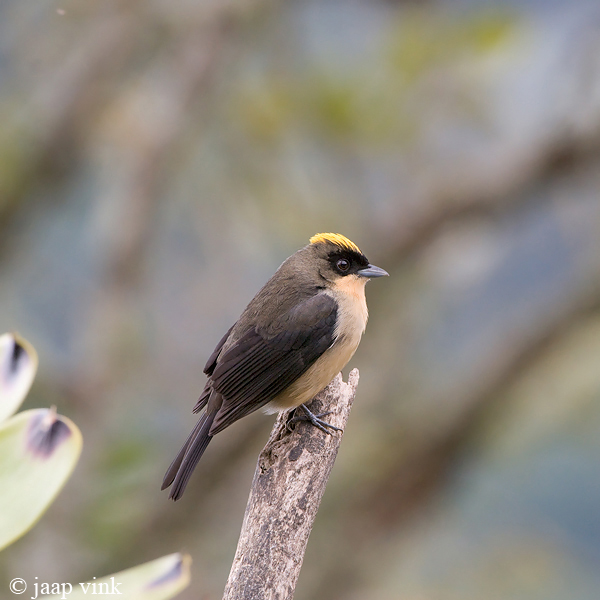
(18, 364)
(38, 452)
(155, 580)
(422, 44)
(372, 106)
(38, 448)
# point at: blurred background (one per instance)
(158, 161)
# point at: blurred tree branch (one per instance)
(486, 198)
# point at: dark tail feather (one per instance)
(204, 398)
(183, 466)
(174, 467)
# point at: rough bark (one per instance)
(289, 481)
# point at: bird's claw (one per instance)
(314, 419)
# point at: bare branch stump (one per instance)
(289, 481)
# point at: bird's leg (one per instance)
(314, 419)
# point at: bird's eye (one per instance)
(343, 265)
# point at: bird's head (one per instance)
(339, 259)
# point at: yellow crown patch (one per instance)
(335, 238)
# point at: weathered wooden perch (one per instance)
(290, 478)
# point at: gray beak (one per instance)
(372, 271)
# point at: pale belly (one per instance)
(316, 378)
(352, 321)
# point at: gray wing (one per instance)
(265, 361)
(208, 369)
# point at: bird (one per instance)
(293, 338)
